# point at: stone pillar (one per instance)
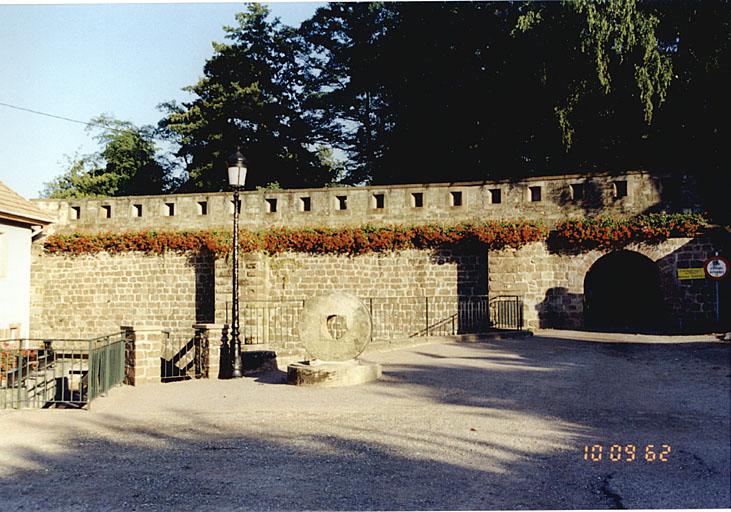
(142, 354)
(211, 338)
(129, 354)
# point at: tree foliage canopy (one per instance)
(127, 164)
(248, 97)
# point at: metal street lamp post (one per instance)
(236, 178)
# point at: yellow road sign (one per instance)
(691, 273)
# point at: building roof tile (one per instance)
(15, 207)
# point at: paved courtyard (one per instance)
(491, 425)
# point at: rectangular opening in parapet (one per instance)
(378, 201)
(496, 196)
(169, 209)
(202, 207)
(535, 194)
(107, 211)
(620, 189)
(271, 205)
(305, 204)
(342, 202)
(75, 212)
(137, 210)
(455, 198)
(578, 191)
(417, 199)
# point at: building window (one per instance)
(137, 210)
(342, 202)
(305, 204)
(202, 207)
(169, 210)
(417, 199)
(455, 198)
(75, 212)
(535, 194)
(620, 189)
(496, 196)
(271, 205)
(578, 191)
(106, 211)
(378, 201)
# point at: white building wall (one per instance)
(15, 247)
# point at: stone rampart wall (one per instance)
(408, 292)
(538, 198)
(552, 285)
(80, 296)
(90, 295)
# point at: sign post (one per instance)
(716, 268)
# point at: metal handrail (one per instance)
(42, 372)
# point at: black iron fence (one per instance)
(506, 312)
(270, 321)
(59, 372)
(277, 321)
(184, 355)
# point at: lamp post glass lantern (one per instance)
(237, 167)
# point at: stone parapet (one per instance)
(537, 198)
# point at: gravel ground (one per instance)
(489, 425)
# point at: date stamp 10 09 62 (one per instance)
(627, 453)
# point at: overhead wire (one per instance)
(38, 112)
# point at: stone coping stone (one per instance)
(317, 373)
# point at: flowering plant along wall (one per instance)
(606, 233)
(583, 234)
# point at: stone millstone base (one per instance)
(332, 374)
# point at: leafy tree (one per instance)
(127, 164)
(447, 91)
(346, 82)
(607, 74)
(691, 133)
(248, 97)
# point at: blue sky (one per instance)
(78, 61)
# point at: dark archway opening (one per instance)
(622, 293)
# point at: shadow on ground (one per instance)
(479, 426)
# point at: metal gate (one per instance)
(184, 355)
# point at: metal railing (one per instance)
(506, 312)
(59, 372)
(270, 321)
(184, 356)
(277, 321)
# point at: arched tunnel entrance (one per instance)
(622, 293)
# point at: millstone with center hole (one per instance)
(334, 330)
(335, 327)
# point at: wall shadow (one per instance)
(203, 263)
(470, 314)
(561, 309)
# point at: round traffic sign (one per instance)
(716, 267)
